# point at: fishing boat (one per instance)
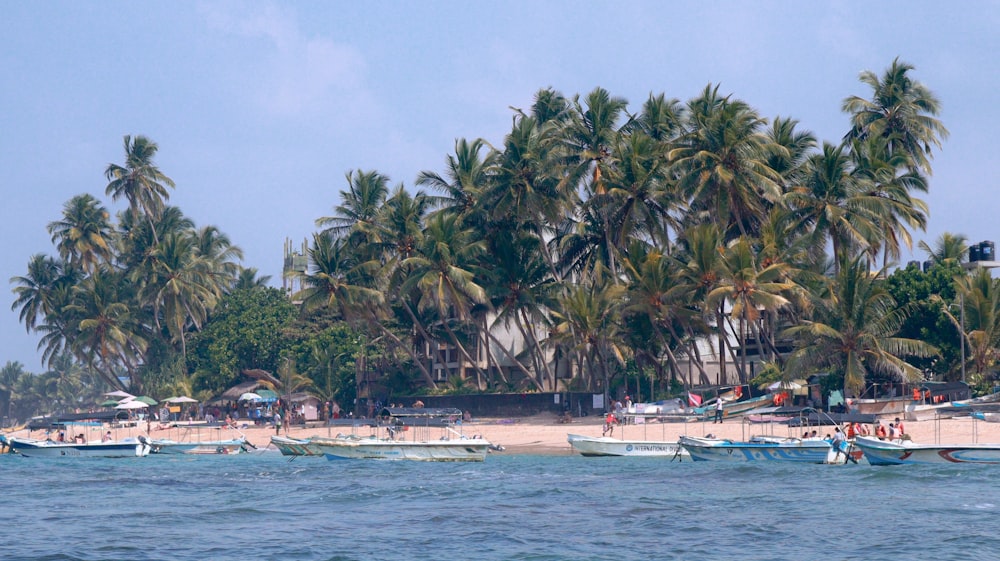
(167, 446)
(388, 439)
(766, 448)
(637, 419)
(734, 408)
(295, 446)
(896, 452)
(34, 448)
(607, 446)
(189, 441)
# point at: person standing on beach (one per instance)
(718, 410)
(277, 422)
(609, 424)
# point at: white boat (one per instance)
(167, 446)
(608, 446)
(895, 452)
(766, 448)
(188, 439)
(296, 446)
(129, 447)
(389, 439)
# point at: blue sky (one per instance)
(261, 108)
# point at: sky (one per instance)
(261, 108)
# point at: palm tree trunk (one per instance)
(443, 359)
(521, 367)
(465, 353)
(538, 350)
(428, 379)
(720, 322)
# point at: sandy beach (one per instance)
(544, 434)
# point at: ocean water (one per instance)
(266, 506)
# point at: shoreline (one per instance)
(545, 435)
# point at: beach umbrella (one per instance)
(134, 404)
(268, 395)
(146, 399)
(119, 393)
(250, 396)
(181, 399)
(109, 403)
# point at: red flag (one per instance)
(694, 400)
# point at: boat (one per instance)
(733, 408)
(167, 446)
(35, 448)
(389, 442)
(766, 448)
(896, 452)
(190, 441)
(295, 446)
(607, 446)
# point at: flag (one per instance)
(694, 400)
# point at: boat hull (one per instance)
(884, 453)
(786, 450)
(295, 446)
(606, 446)
(48, 449)
(467, 450)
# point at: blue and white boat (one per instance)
(765, 449)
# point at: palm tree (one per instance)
(661, 119)
(586, 319)
(699, 275)
(889, 187)
(83, 236)
(35, 290)
(527, 190)
(248, 279)
(749, 290)
(10, 376)
(520, 290)
(110, 329)
(948, 247)
(832, 203)
(902, 112)
(636, 192)
(179, 287)
(441, 273)
(355, 216)
(854, 332)
(722, 164)
(219, 258)
(979, 298)
(139, 181)
(590, 134)
(467, 177)
(789, 162)
(652, 277)
(330, 279)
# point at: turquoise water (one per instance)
(264, 506)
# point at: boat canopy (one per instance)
(952, 391)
